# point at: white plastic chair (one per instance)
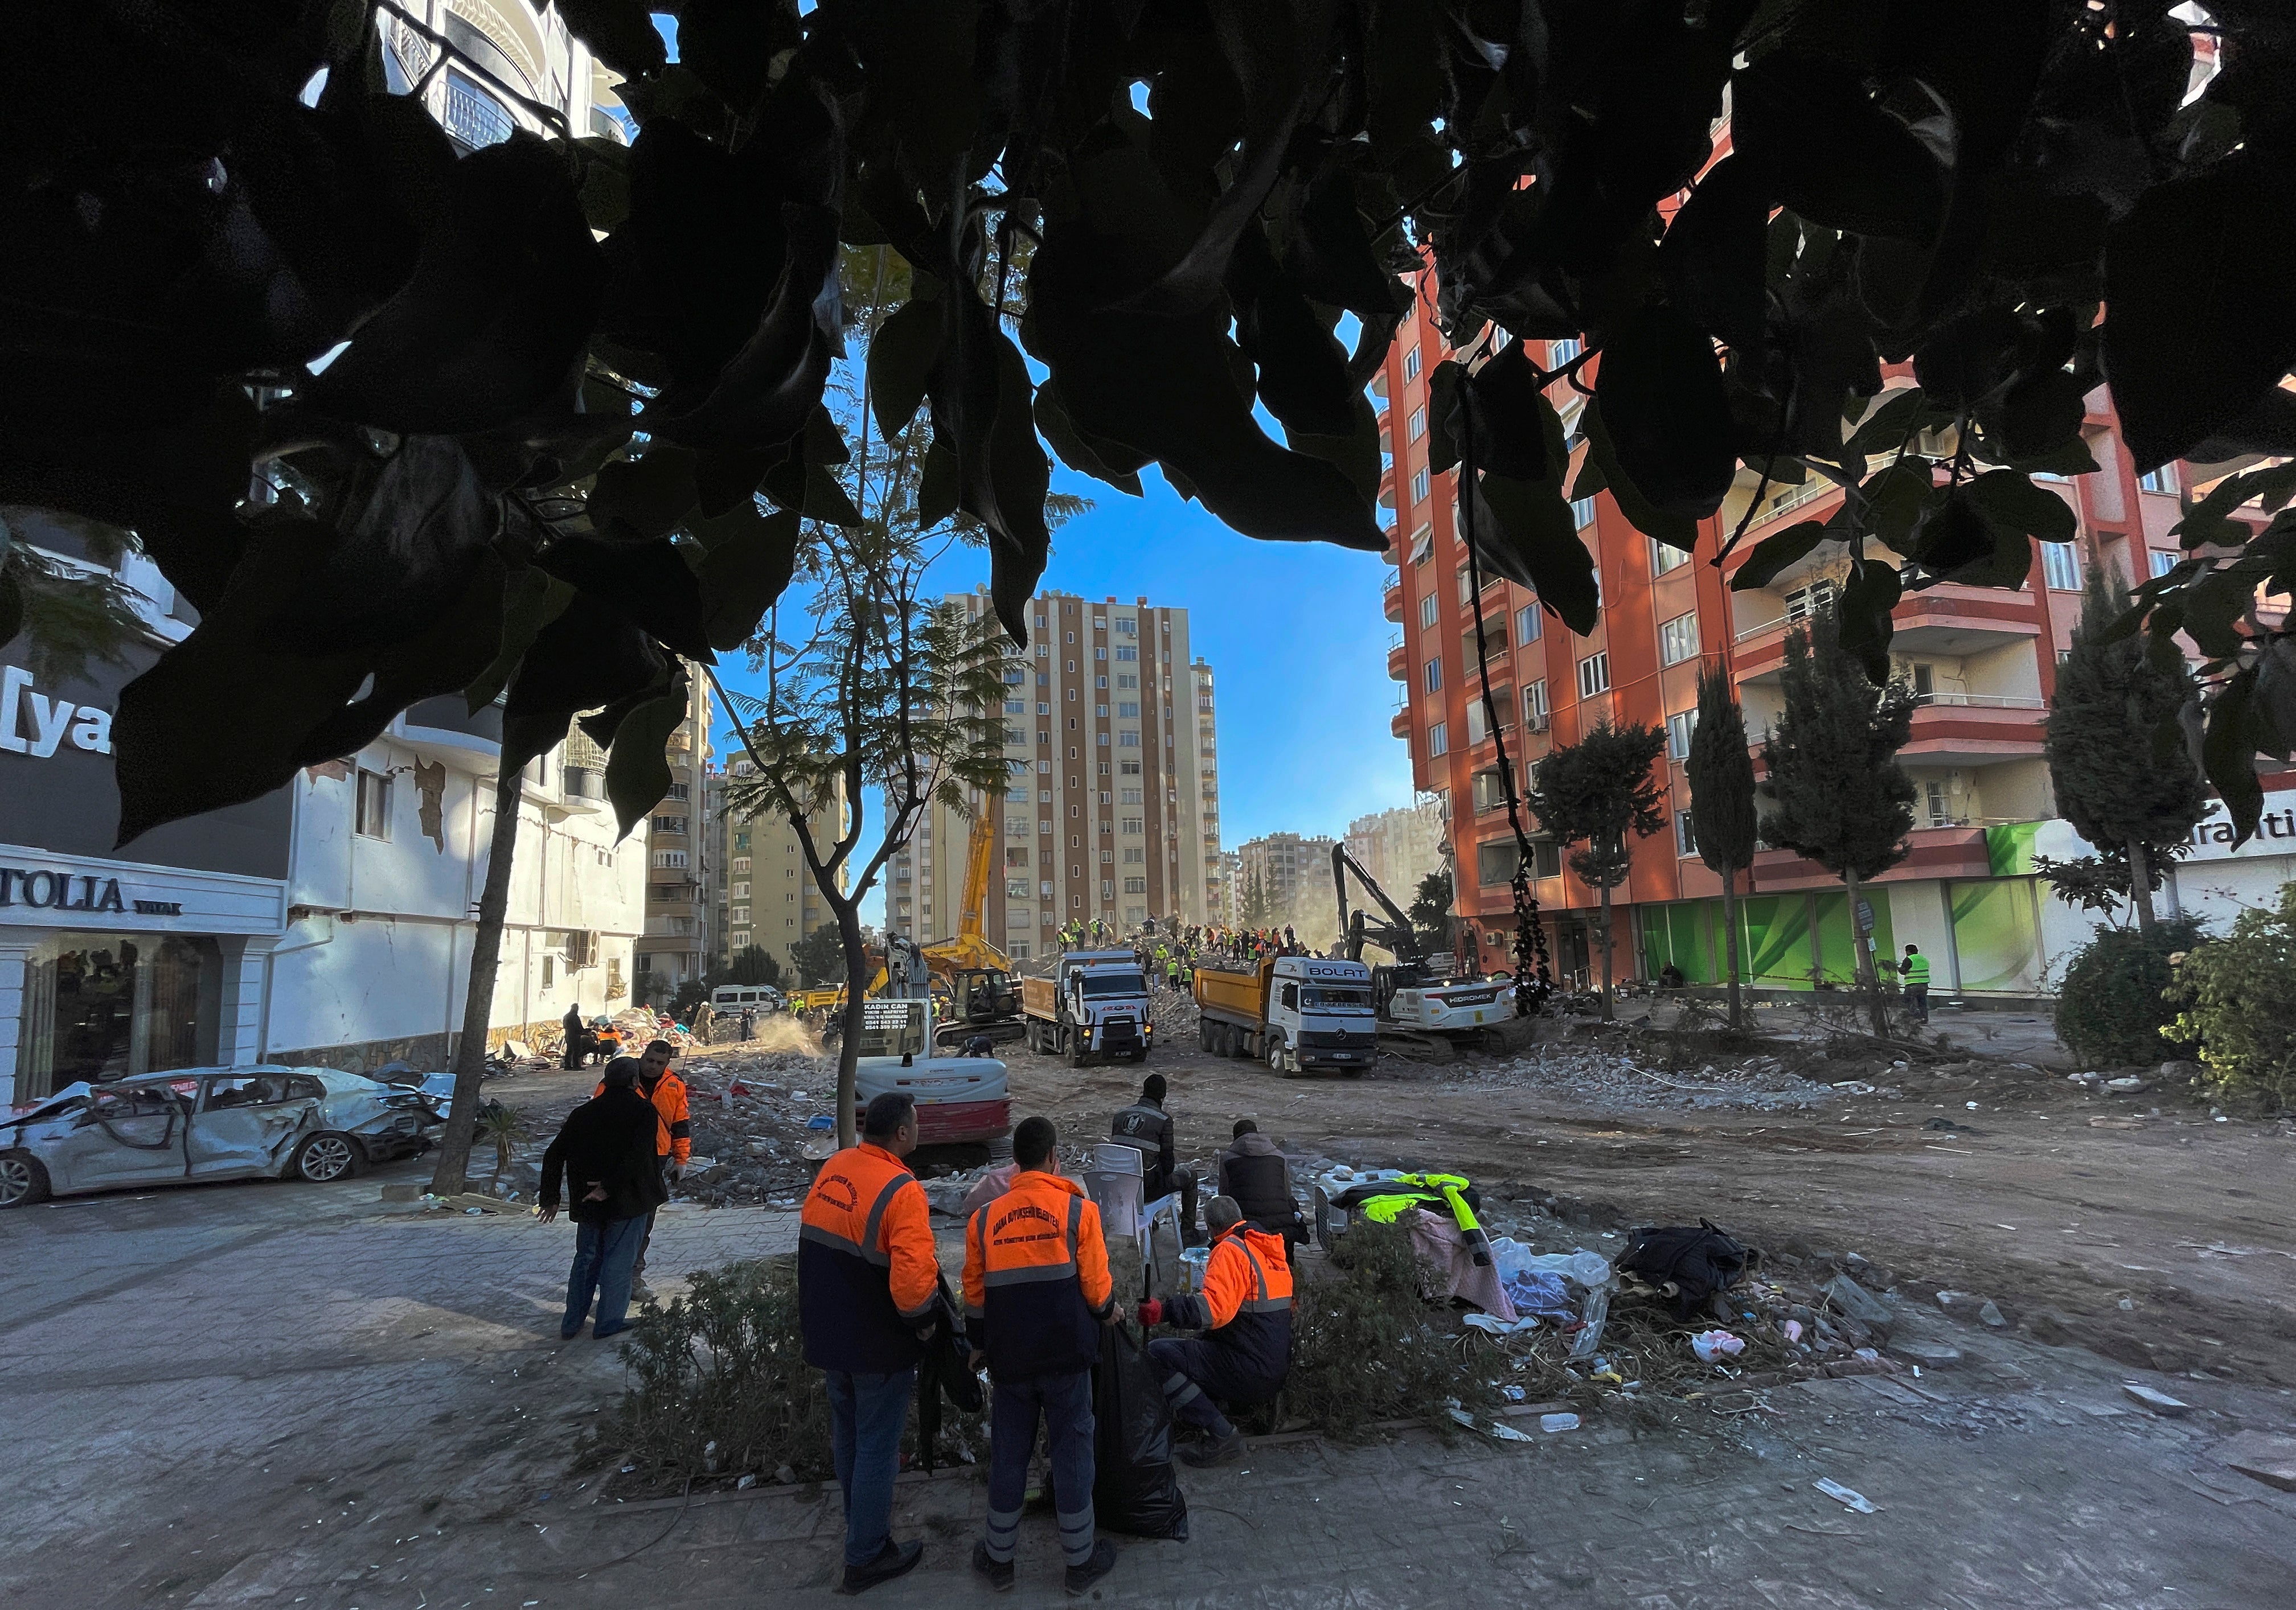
(1117, 1182)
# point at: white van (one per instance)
(757, 997)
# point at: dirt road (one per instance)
(2166, 1241)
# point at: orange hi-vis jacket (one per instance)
(1035, 1279)
(866, 1272)
(674, 1132)
(1246, 1304)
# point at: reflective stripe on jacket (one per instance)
(674, 1129)
(1246, 1305)
(1036, 1277)
(866, 1272)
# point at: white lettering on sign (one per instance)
(32, 724)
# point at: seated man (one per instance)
(1246, 1305)
(1254, 1173)
(1145, 1128)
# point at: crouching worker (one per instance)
(1246, 1305)
(1037, 1290)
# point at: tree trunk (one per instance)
(2140, 886)
(1606, 952)
(856, 988)
(1730, 945)
(451, 1175)
(1861, 943)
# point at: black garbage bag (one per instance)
(944, 1371)
(1133, 1489)
(1699, 1259)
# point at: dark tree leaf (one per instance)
(637, 773)
(936, 485)
(638, 499)
(1099, 460)
(2186, 363)
(918, 55)
(647, 583)
(1511, 417)
(1775, 551)
(1867, 597)
(1303, 371)
(454, 647)
(1830, 152)
(1356, 453)
(588, 658)
(750, 559)
(2041, 416)
(1891, 425)
(1601, 470)
(1660, 387)
(1526, 534)
(501, 304)
(1445, 419)
(532, 598)
(730, 44)
(1713, 255)
(1972, 357)
(803, 478)
(2229, 753)
(901, 355)
(2012, 502)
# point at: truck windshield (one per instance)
(1114, 983)
(1335, 997)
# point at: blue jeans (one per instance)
(604, 1253)
(1065, 1404)
(866, 1414)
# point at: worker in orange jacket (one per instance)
(1246, 1306)
(867, 1282)
(674, 1136)
(1036, 1285)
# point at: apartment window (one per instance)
(1411, 365)
(1527, 625)
(2163, 561)
(549, 970)
(1129, 651)
(1135, 885)
(1534, 705)
(1016, 706)
(1419, 485)
(1677, 640)
(1559, 353)
(473, 116)
(1582, 511)
(1128, 709)
(373, 805)
(1679, 727)
(1132, 824)
(669, 824)
(1941, 808)
(1434, 675)
(1439, 741)
(1666, 557)
(1418, 423)
(1685, 842)
(2060, 568)
(1593, 676)
(1423, 544)
(2163, 479)
(1429, 608)
(1134, 855)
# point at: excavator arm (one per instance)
(1395, 935)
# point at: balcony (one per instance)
(1391, 598)
(1399, 659)
(1953, 620)
(1400, 725)
(1974, 730)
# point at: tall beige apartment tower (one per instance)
(1112, 807)
(769, 898)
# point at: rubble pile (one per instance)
(749, 1110)
(1603, 1077)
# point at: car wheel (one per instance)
(327, 1158)
(22, 1180)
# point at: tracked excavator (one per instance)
(1411, 1006)
(970, 979)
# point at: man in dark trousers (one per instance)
(1246, 1306)
(867, 1278)
(579, 1041)
(1145, 1127)
(1916, 971)
(1037, 1287)
(605, 1151)
(1254, 1173)
(673, 1133)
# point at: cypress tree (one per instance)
(2122, 775)
(1595, 792)
(1842, 799)
(1722, 805)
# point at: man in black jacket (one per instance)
(1145, 1127)
(606, 1152)
(1254, 1173)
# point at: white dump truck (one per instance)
(1096, 1003)
(1298, 1014)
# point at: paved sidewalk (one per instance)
(278, 1395)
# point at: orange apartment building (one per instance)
(1982, 660)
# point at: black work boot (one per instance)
(1103, 1561)
(895, 1559)
(1217, 1449)
(998, 1572)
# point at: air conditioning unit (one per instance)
(581, 948)
(1538, 725)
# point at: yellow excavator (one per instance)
(972, 976)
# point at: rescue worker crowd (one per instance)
(1036, 1283)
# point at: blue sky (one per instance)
(1295, 637)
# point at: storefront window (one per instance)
(103, 1006)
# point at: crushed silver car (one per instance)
(315, 1124)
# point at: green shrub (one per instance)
(2237, 997)
(725, 1365)
(2110, 1009)
(1367, 1346)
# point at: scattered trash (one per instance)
(1513, 1394)
(1490, 1428)
(1845, 1495)
(2159, 1403)
(1794, 1330)
(747, 1482)
(1694, 1261)
(1558, 1422)
(1712, 1346)
(1494, 1326)
(786, 1475)
(2266, 1456)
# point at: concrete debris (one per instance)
(2159, 1403)
(1600, 1077)
(2269, 1456)
(1859, 1303)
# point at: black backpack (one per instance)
(1699, 1259)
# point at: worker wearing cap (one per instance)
(1037, 1287)
(1246, 1306)
(866, 1281)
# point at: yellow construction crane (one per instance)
(976, 976)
